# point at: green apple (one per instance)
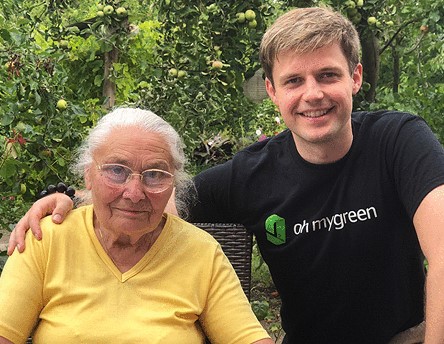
(121, 12)
(62, 104)
(252, 24)
(108, 9)
(371, 20)
(250, 15)
(181, 74)
(351, 4)
(240, 17)
(173, 72)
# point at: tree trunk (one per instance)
(370, 62)
(109, 87)
(396, 72)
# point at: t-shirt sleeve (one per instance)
(213, 195)
(418, 162)
(228, 317)
(21, 291)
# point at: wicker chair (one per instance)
(236, 243)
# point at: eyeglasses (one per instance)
(154, 180)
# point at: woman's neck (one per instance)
(126, 251)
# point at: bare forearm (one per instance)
(435, 304)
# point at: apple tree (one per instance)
(206, 52)
(59, 74)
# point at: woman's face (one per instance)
(129, 208)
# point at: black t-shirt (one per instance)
(338, 238)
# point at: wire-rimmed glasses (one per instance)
(154, 180)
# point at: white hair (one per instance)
(151, 123)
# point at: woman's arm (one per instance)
(21, 291)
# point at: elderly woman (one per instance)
(122, 270)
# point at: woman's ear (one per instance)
(87, 177)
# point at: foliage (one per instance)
(208, 49)
(46, 58)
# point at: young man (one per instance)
(342, 205)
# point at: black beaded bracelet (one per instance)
(60, 187)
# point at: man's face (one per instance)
(314, 94)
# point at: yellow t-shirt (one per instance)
(70, 286)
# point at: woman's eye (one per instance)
(117, 170)
(153, 174)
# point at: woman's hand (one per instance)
(57, 204)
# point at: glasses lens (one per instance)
(117, 174)
(157, 180)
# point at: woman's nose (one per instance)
(134, 189)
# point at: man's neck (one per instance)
(323, 152)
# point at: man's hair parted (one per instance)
(304, 30)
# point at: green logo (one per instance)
(275, 227)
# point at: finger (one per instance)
(11, 243)
(55, 204)
(17, 238)
(62, 207)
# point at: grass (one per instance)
(265, 300)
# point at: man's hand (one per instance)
(57, 204)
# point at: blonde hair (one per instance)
(304, 30)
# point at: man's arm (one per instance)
(57, 204)
(429, 224)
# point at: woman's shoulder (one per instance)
(187, 231)
(75, 218)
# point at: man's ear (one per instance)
(357, 78)
(271, 91)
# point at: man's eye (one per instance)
(294, 81)
(328, 75)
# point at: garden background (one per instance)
(64, 63)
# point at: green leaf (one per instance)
(5, 35)
(8, 169)
(6, 119)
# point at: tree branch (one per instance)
(396, 34)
